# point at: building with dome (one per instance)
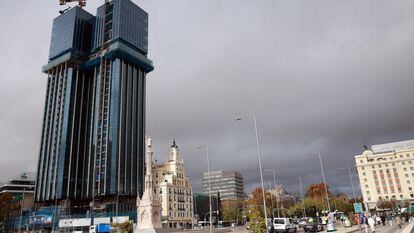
(175, 191)
(386, 172)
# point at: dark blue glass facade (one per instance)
(71, 32)
(129, 23)
(93, 132)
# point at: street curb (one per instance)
(355, 230)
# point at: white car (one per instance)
(284, 225)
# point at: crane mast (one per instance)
(81, 3)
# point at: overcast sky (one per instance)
(320, 75)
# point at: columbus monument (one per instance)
(149, 207)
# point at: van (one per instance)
(284, 225)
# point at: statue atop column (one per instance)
(149, 207)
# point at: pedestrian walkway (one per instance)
(340, 229)
(384, 229)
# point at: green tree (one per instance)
(254, 211)
(232, 210)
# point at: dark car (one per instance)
(313, 227)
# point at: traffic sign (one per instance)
(358, 207)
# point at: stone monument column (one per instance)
(149, 207)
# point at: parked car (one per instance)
(284, 225)
(302, 222)
(313, 226)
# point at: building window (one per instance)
(405, 169)
(361, 161)
(403, 163)
(373, 167)
(362, 168)
(363, 174)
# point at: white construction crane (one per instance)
(81, 3)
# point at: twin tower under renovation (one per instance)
(93, 135)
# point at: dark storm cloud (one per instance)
(320, 75)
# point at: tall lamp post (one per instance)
(350, 179)
(324, 180)
(274, 184)
(271, 201)
(303, 197)
(260, 161)
(209, 184)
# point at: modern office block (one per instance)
(229, 184)
(92, 148)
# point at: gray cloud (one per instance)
(321, 76)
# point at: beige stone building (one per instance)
(175, 191)
(386, 172)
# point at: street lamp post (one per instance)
(271, 201)
(274, 184)
(260, 161)
(324, 180)
(303, 197)
(209, 184)
(350, 179)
